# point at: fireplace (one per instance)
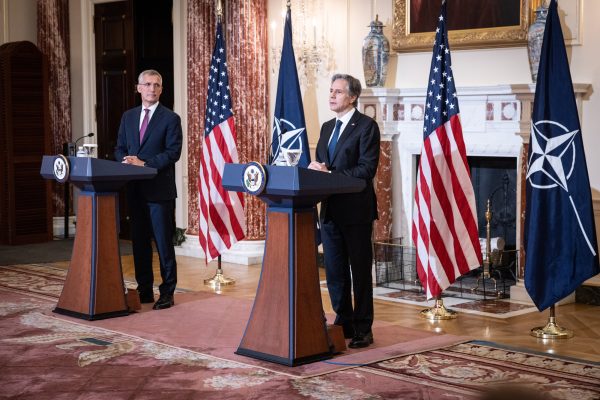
(492, 127)
(495, 121)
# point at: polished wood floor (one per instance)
(583, 320)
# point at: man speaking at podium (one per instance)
(349, 145)
(150, 135)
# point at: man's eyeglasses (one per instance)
(149, 84)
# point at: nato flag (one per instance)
(561, 250)
(289, 129)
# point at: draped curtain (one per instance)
(53, 42)
(245, 26)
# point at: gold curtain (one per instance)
(53, 42)
(245, 27)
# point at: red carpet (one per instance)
(187, 353)
(214, 325)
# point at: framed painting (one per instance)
(471, 23)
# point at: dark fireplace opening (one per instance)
(495, 179)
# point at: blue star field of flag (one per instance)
(441, 101)
(218, 104)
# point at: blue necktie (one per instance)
(334, 138)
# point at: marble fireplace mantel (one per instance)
(495, 121)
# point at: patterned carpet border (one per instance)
(534, 353)
(476, 367)
(45, 280)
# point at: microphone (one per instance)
(69, 148)
(83, 137)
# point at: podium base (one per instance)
(290, 362)
(91, 317)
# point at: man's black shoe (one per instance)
(164, 301)
(361, 340)
(146, 297)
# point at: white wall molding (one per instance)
(245, 252)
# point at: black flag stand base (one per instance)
(551, 330)
(218, 279)
(438, 311)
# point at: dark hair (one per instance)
(354, 87)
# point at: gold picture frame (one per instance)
(403, 40)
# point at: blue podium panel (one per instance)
(293, 186)
(97, 175)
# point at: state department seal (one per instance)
(60, 168)
(254, 178)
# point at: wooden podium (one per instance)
(287, 324)
(94, 286)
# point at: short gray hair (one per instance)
(354, 87)
(149, 72)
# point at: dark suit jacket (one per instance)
(160, 149)
(357, 155)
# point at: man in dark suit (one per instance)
(349, 145)
(151, 135)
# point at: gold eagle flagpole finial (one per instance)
(219, 10)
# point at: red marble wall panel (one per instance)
(383, 190)
(523, 181)
(245, 25)
(200, 43)
(53, 42)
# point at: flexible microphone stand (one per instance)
(69, 150)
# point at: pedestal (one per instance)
(287, 324)
(94, 286)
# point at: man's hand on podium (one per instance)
(317, 166)
(133, 160)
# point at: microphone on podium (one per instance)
(83, 137)
(69, 148)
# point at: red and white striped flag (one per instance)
(444, 230)
(222, 221)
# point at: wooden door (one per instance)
(130, 36)
(25, 198)
(115, 71)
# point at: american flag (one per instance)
(222, 221)
(444, 230)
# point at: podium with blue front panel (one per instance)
(94, 286)
(287, 324)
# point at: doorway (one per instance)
(130, 36)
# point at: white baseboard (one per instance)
(58, 226)
(519, 293)
(245, 252)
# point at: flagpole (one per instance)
(438, 311)
(219, 11)
(436, 227)
(219, 279)
(551, 330)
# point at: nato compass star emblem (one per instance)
(289, 137)
(553, 158)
